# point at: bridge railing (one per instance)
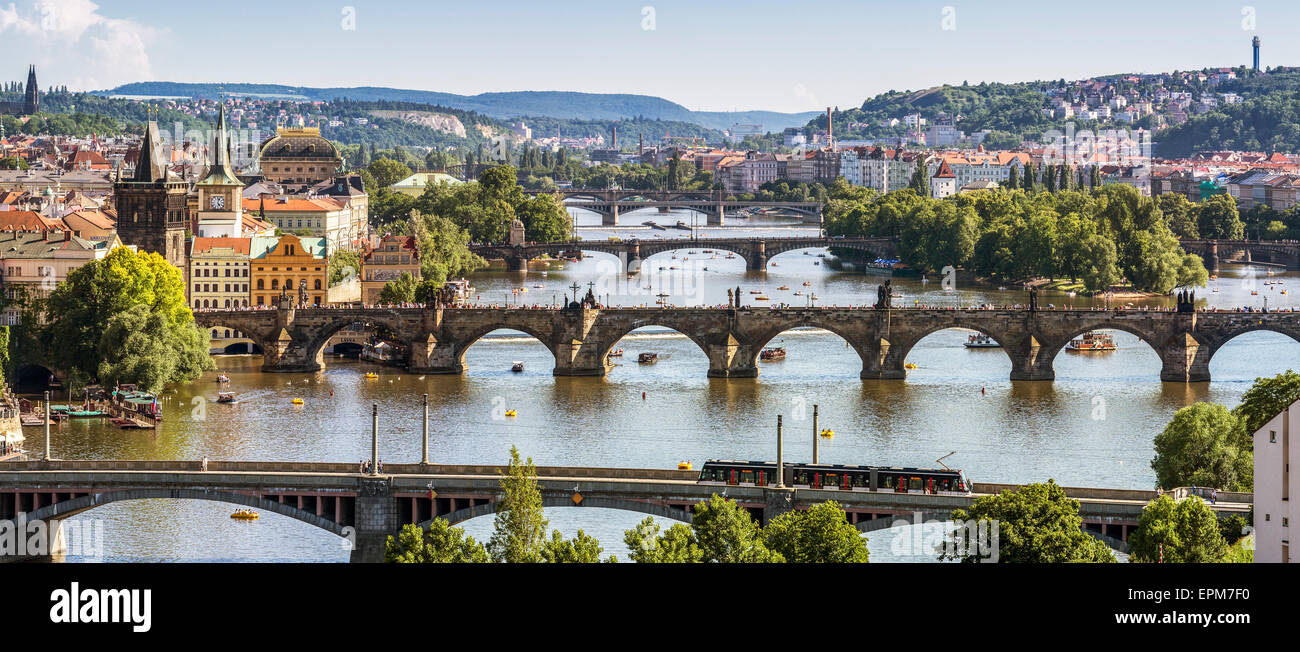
(339, 467)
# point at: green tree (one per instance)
(399, 291)
(1218, 219)
(12, 163)
(387, 172)
(1037, 524)
(344, 264)
(1180, 215)
(1204, 445)
(440, 544)
(140, 346)
(820, 534)
(1183, 532)
(676, 546)
(79, 310)
(519, 530)
(920, 181)
(726, 533)
(1266, 399)
(581, 549)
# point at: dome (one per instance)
(298, 144)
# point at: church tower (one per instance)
(32, 98)
(221, 201)
(151, 204)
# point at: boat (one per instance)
(981, 341)
(616, 353)
(784, 287)
(798, 294)
(755, 291)
(909, 365)
(511, 413)
(244, 515)
(226, 397)
(772, 353)
(730, 256)
(539, 285)
(708, 251)
(297, 401)
(647, 358)
(817, 262)
(223, 378)
(807, 284)
(762, 298)
(85, 414)
(827, 433)
(371, 375)
(684, 465)
(517, 367)
(1092, 341)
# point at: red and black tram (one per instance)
(842, 477)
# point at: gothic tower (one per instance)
(151, 204)
(32, 98)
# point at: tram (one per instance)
(840, 477)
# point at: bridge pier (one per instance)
(878, 364)
(756, 261)
(376, 519)
(728, 358)
(610, 218)
(717, 216)
(1184, 360)
(517, 264)
(1029, 361)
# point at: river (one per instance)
(1092, 426)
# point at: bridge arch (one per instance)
(644, 507)
(617, 336)
(1257, 327)
(901, 347)
(72, 507)
(314, 347)
(856, 341)
(475, 336)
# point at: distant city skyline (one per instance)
(718, 56)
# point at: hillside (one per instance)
(555, 104)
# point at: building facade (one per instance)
(151, 204)
(287, 265)
(395, 255)
(219, 274)
(299, 155)
(1274, 510)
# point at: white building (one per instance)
(1273, 507)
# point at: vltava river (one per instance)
(1093, 426)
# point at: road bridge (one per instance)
(367, 508)
(631, 252)
(1274, 252)
(609, 204)
(581, 338)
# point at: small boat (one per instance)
(684, 465)
(981, 341)
(539, 285)
(371, 375)
(909, 365)
(755, 291)
(85, 414)
(245, 515)
(827, 433)
(807, 284)
(1254, 292)
(511, 413)
(297, 401)
(817, 262)
(730, 256)
(1092, 341)
(523, 289)
(784, 287)
(226, 397)
(772, 353)
(708, 251)
(223, 378)
(762, 298)
(517, 367)
(616, 353)
(798, 294)
(647, 358)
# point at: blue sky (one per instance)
(704, 54)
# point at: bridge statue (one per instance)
(1186, 301)
(302, 293)
(884, 295)
(737, 296)
(731, 298)
(1033, 299)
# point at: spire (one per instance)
(150, 167)
(219, 170)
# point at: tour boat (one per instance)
(616, 353)
(1092, 341)
(517, 366)
(223, 378)
(981, 341)
(226, 397)
(244, 515)
(85, 414)
(773, 353)
(647, 358)
(684, 465)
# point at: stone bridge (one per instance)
(580, 339)
(755, 251)
(366, 509)
(609, 204)
(1275, 252)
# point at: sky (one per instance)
(716, 55)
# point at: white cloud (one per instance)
(72, 44)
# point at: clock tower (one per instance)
(221, 203)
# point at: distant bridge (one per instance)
(609, 204)
(367, 508)
(1274, 252)
(755, 251)
(581, 339)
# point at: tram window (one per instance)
(914, 484)
(801, 477)
(831, 480)
(746, 476)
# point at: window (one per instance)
(275, 284)
(317, 284)
(259, 285)
(1272, 436)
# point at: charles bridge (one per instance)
(755, 251)
(366, 508)
(580, 337)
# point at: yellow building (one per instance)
(395, 255)
(287, 264)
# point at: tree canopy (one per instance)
(1186, 531)
(1037, 524)
(1204, 445)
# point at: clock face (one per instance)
(218, 201)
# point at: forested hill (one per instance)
(554, 104)
(1266, 120)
